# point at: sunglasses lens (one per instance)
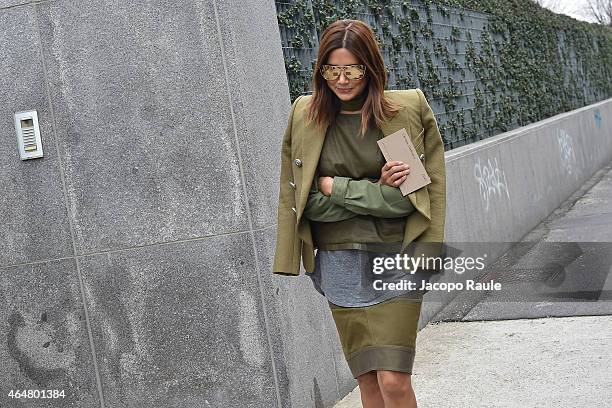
(332, 72)
(354, 73)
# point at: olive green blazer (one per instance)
(301, 148)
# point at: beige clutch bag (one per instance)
(398, 146)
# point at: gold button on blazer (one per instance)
(301, 148)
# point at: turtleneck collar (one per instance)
(354, 104)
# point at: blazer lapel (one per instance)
(311, 151)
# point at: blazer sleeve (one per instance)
(436, 169)
(368, 198)
(319, 207)
(286, 218)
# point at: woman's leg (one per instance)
(396, 389)
(370, 392)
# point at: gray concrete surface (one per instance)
(524, 363)
(134, 256)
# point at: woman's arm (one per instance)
(320, 208)
(370, 198)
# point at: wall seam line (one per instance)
(67, 207)
(248, 207)
(134, 247)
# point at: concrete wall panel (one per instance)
(260, 98)
(45, 345)
(456, 226)
(11, 3)
(33, 220)
(180, 325)
(143, 119)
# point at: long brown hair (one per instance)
(357, 37)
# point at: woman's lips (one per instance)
(344, 90)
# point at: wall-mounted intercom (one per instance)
(28, 135)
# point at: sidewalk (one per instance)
(527, 363)
(512, 354)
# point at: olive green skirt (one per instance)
(380, 336)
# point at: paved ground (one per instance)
(546, 339)
(548, 362)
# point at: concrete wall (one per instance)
(135, 256)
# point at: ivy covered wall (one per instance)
(486, 66)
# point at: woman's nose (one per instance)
(342, 78)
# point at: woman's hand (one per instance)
(394, 173)
(325, 185)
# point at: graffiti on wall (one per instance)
(566, 150)
(597, 118)
(491, 181)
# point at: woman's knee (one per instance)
(368, 380)
(394, 383)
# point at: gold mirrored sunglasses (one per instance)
(332, 72)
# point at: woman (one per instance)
(339, 196)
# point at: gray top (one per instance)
(346, 278)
